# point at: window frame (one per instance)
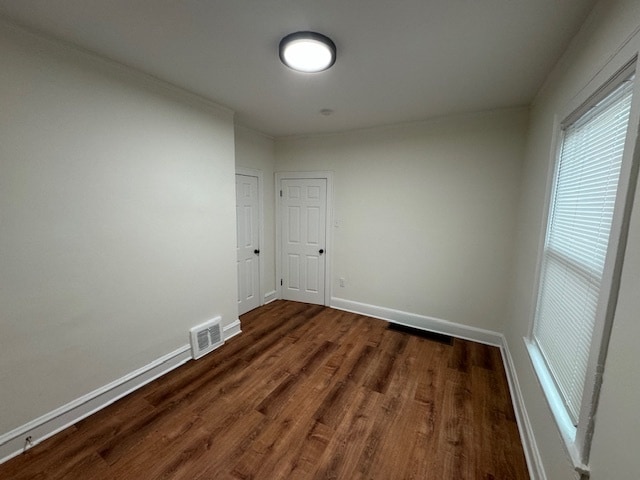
(577, 439)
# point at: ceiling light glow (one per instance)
(307, 52)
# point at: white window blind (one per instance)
(575, 249)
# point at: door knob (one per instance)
(256, 251)
(321, 251)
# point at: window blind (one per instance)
(578, 231)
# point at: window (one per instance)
(579, 257)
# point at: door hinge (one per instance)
(280, 282)
(280, 192)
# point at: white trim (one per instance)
(13, 443)
(328, 176)
(422, 322)
(251, 172)
(231, 330)
(565, 426)
(530, 447)
(611, 276)
(551, 170)
(578, 443)
(272, 296)
(527, 436)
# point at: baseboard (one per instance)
(14, 442)
(532, 454)
(419, 321)
(529, 444)
(270, 297)
(231, 330)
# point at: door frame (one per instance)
(328, 176)
(251, 172)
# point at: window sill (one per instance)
(565, 426)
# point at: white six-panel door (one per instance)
(248, 248)
(303, 223)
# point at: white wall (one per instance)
(425, 211)
(117, 222)
(256, 151)
(617, 430)
(117, 225)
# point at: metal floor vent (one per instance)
(206, 337)
(436, 337)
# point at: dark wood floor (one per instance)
(304, 392)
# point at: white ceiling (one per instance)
(398, 61)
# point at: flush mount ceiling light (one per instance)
(307, 52)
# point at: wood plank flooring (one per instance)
(305, 392)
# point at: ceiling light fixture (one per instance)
(308, 52)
